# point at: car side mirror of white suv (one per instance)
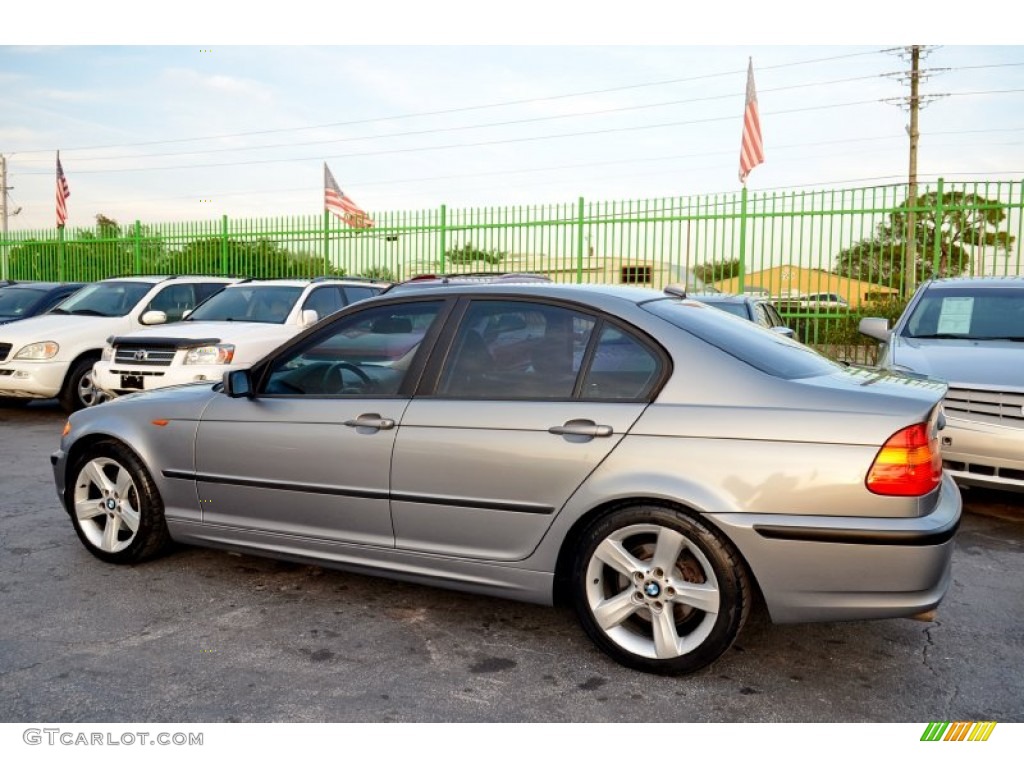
(153, 317)
(309, 317)
(875, 327)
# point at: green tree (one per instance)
(380, 273)
(469, 254)
(712, 271)
(968, 226)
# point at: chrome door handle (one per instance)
(583, 427)
(371, 421)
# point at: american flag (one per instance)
(63, 193)
(341, 205)
(751, 146)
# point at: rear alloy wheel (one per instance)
(659, 591)
(116, 509)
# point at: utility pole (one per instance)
(914, 104)
(3, 200)
(910, 255)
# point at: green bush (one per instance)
(833, 330)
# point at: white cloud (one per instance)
(220, 85)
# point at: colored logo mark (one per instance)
(958, 731)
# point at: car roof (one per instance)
(40, 285)
(589, 293)
(469, 278)
(162, 278)
(302, 282)
(1013, 281)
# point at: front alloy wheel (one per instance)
(116, 508)
(659, 591)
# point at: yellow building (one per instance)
(788, 281)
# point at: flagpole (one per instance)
(751, 155)
(60, 254)
(741, 275)
(327, 239)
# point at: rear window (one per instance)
(759, 347)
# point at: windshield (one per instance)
(113, 299)
(16, 302)
(249, 304)
(968, 312)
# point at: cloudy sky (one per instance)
(161, 125)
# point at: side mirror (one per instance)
(238, 384)
(875, 327)
(783, 331)
(153, 317)
(185, 314)
(309, 317)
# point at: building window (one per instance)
(636, 274)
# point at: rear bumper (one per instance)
(823, 568)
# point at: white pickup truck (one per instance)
(232, 330)
(52, 355)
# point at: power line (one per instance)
(463, 145)
(494, 142)
(454, 110)
(499, 124)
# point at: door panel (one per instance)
(310, 455)
(484, 478)
(293, 466)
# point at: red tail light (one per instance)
(909, 464)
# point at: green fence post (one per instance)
(742, 273)
(224, 244)
(443, 244)
(579, 243)
(327, 240)
(138, 247)
(60, 254)
(939, 213)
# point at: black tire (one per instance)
(645, 610)
(73, 395)
(109, 491)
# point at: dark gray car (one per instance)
(968, 332)
(753, 308)
(19, 301)
(654, 461)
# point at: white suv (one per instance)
(232, 330)
(52, 355)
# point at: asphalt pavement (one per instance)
(208, 636)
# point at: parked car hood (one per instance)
(228, 332)
(963, 362)
(74, 333)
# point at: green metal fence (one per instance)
(790, 245)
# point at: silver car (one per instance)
(657, 463)
(968, 332)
